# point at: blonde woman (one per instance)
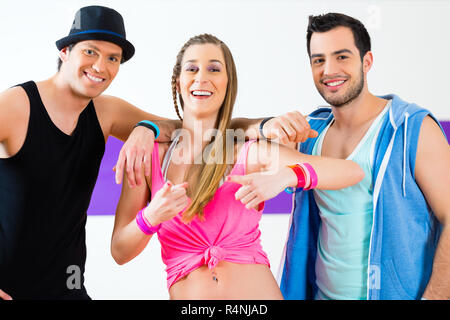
(210, 242)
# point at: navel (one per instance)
(214, 277)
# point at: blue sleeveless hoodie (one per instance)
(404, 232)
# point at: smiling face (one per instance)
(203, 80)
(338, 72)
(91, 66)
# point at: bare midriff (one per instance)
(227, 281)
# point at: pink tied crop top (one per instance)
(228, 232)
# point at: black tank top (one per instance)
(45, 191)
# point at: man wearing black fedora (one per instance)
(52, 140)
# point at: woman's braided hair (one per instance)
(205, 178)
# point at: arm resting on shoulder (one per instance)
(249, 126)
(287, 129)
(122, 115)
(120, 118)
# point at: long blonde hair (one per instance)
(204, 179)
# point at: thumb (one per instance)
(313, 133)
(166, 187)
(181, 185)
(237, 179)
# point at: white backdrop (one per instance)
(410, 43)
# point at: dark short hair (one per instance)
(326, 22)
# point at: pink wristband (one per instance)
(307, 176)
(303, 178)
(144, 225)
(313, 175)
(301, 174)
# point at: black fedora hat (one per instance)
(98, 23)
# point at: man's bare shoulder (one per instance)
(107, 109)
(14, 104)
(431, 133)
(14, 111)
(14, 96)
(111, 107)
(109, 102)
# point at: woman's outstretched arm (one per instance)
(268, 174)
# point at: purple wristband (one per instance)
(144, 225)
(313, 176)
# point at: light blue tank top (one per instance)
(346, 223)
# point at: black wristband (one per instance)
(150, 125)
(261, 125)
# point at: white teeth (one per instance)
(93, 78)
(201, 93)
(336, 83)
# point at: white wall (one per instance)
(267, 37)
(411, 49)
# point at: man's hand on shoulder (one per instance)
(291, 127)
(118, 118)
(135, 153)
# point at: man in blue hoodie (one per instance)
(388, 237)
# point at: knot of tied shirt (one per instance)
(213, 255)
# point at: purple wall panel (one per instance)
(106, 193)
(446, 126)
